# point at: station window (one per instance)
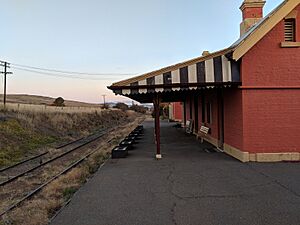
(191, 108)
(290, 30)
(208, 112)
(203, 109)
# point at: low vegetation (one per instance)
(122, 106)
(42, 100)
(136, 108)
(30, 125)
(26, 133)
(40, 209)
(17, 107)
(59, 102)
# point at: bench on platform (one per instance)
(203, 132)
(121, 151)
(189, 126)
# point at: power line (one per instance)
(5, 65)
(104, 100)
(59, 75)
(72, 72)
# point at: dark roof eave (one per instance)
(177, 85)
(226, 51)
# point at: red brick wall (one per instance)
(177, 111)
(262, 120)
(298, 24)
(187, 108)
(267, 64)
(271, 120)
(271, 116)
(199, 112)
(211, 96)
(253, 12)
(233, 118)
(192, 116)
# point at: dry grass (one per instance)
(18, 107)
(22, 134)
(45, 205)
(42, 100)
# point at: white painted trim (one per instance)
(175, 74)
(143, 90)
(126, 91)
(209, 71)
(159, 80)
(226, 69)
(192, 75)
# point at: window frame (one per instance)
(292, 22)
(209, 115)
(203, 111)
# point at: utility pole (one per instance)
(103, 100)
(6, 65)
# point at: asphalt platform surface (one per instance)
(191, 185)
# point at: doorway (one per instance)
(184, 112)
(196, 103)
(220, 97)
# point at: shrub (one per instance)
(138, 108)
(105, 106)
(59, 102)
(68, 192)
(122, 106)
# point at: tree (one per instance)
(59, 102)
(122, 106)
(138, 108)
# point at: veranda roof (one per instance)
(218, 69)
(213, 70)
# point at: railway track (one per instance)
(19, 169)
(34, 173)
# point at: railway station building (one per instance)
(244, 99)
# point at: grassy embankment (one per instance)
(23, 134)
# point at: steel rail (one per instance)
(69, 143)
(35, 191)
(72, 142)
(24, 161)
(50, 160)
(38, 189)
(44, 153)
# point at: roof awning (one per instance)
(213, 70)
(219, 69)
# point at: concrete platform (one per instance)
(188, 186)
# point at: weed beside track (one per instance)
(25, 134)
(41, 207)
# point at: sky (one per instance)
(118, 37)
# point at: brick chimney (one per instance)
(252, 12)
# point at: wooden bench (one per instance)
(203, 132)
(189, 126)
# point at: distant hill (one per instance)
(42, 100)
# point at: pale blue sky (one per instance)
(116, 36)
